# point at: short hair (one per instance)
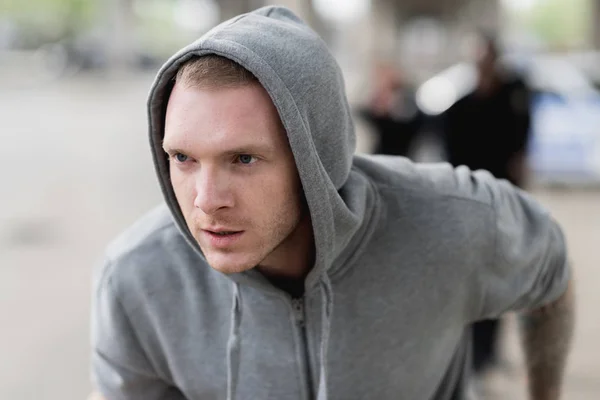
(213, 71)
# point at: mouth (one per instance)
(221, 233)
(222, 238)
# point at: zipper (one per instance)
(300, 332)
(298, 306)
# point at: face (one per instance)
(233, 173)
(487, 59)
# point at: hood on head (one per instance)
(305, 83)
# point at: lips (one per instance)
(222, 232)
(221, 238)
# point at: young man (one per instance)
(285, 267)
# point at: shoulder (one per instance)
(147, 229)
(435, 181)
(147, 238)
(143, 255)
(447, 205)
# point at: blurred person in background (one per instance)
(489, 129)
(392, 112)
(282, 265)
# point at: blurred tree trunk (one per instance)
(596, 24)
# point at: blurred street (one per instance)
(76, 170)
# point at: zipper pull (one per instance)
(298, 306)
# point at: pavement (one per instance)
(76, 170)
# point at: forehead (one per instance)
(220, 117)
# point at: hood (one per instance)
(306, 85)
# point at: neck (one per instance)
(488, 83)
(293, 259)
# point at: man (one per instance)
(286, 267)
(392, 113)
(489, 129)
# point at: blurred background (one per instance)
(74, 75)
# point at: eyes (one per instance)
(180, 158)
(243, 159)
(246, 159)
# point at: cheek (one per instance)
(185, 192)
(280, 194)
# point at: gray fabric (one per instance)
(406, 257)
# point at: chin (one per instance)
(230, 263)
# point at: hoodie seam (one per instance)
(274, 73)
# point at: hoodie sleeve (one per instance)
(120, 369)
(528, 266)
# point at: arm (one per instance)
(528, 272)
(546, 334)
(121, 369)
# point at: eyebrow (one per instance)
(244, 149)
(249, 149)
(170, 150)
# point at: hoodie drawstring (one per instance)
(326, 311)
(233, 344)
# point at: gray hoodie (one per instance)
(407, 256)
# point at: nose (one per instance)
(213, 190)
